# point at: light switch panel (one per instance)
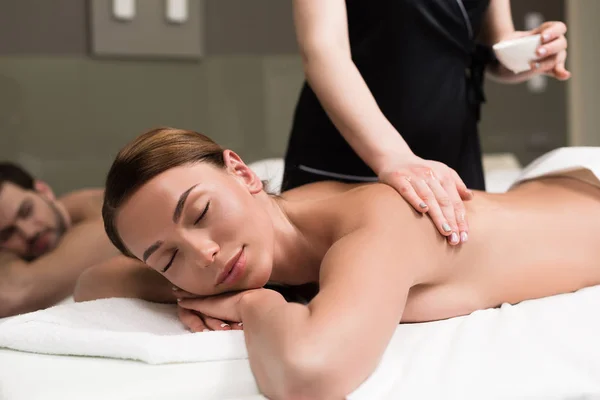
(123, 10)
(147, 28)
(176, 11)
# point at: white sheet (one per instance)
(540, 349)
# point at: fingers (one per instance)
(553, 47)
(546, 64)
(191, 320)
(553, 65)
(423, 190)
(405, 187)
(554, 43)
(445, 201)
(216, 324)
(560, 72)
(459, 210)
(434, 209)
(551, 30)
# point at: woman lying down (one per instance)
(200, 217)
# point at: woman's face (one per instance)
(202, 227)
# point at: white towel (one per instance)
(118, 328)
(564, 160)
(539, 349)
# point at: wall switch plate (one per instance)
(176, 11)
(172, 29)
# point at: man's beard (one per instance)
(59, 231)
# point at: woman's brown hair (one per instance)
(149, 155)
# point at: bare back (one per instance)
(537, 240)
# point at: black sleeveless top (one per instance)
(420, 62)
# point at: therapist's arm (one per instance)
(322, 33)
(498, 26)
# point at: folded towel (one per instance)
(579, 162)
(118, 328)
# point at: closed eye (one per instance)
(203, 213)
(170, 262)
(7, 233)
(26, 209)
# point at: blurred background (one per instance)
(81, 78)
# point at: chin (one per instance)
(259, 277)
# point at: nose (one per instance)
(27, 229)
(203, 249)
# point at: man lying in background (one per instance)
(53, 248)
(46, 243)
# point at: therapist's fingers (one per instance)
(404, 186)
(545, 65)
(560, 72)
(553, 65)
(191, 320)
(553, 47)
(551, 30)
(434, 210)
(446, 204)
(459, 209)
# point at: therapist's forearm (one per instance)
(497, 22)
(352, 108)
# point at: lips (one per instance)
(41, 244)
(233, 269)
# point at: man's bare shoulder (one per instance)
(83, 204)
(7, 258)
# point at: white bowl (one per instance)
(517, 54)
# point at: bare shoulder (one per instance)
(373, 205)
(317, 190)
(83, 204)
(379, 220)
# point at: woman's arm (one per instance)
(327, 349)
(497, 23)
(322, 32)
(122, 276)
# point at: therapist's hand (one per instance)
(434, 188)
(552, 52)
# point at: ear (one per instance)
(237, 167)
(44, 190)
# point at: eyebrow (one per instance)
(181, 203)
(176, 217)
(16, 217)
(150, 250)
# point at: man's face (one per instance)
(30, 221)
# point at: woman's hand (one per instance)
(553, 50)
(434, 188)
(190, 306)
(552, 53)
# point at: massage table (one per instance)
(130, 349)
